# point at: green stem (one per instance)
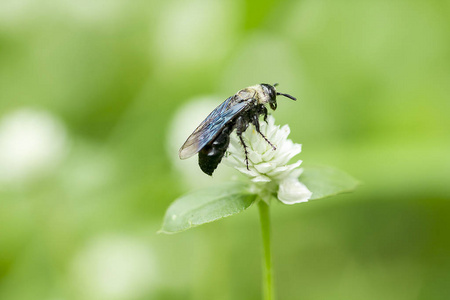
(265, 231)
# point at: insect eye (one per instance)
(270, 90)
(273, 94)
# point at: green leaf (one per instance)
(205, 206)
(325, 181)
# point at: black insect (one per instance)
(212, 136)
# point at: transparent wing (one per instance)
(211, 126)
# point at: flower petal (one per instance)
(284, 171)
(265, 167)
(251, 172)
(288, 151)
(254, 157)
(261, 178)
(292, 191)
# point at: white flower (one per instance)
(266, 165)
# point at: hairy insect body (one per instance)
(255, 92)
(212, 136)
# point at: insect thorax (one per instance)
(254, 92)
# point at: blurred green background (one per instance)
(92, 99)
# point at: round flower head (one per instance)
(268, 167)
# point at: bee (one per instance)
(212, 137)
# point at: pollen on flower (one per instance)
(266, 164)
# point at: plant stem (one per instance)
(265, 232)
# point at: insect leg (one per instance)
(255, 121)
(263, 111)
(241, 126)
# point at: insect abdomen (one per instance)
(211, 155)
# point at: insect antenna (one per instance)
(287, 95)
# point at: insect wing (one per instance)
(211, 126)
